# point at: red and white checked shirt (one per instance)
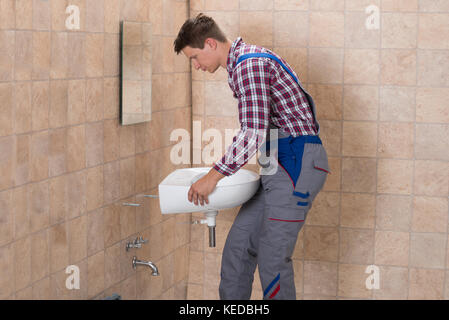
(266, 94)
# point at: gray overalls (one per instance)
(266, 228)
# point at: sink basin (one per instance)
(230, 191)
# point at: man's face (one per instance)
(206, 59)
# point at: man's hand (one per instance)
(200, 190)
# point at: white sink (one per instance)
(230, 191)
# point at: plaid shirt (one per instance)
(266, 94)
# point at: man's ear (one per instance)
(211, 42)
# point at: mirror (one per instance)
(136, 71)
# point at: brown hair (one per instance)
(194, 33)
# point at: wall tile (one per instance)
(358, 210)
(59, 55)
(76, 44)
(431, 68)
(6, 271)
(20, 211)
(432, 141)
(7, 161)
(360, 5)
(427, 250)
(320, 278)
(394, 176)
(426, 284)
(22, 110)
(58, 103)
(431, 178)
(391, 248)
(361, 102)
(351, 281)
(430, 105)
(7, 55)
(76, 152)
(433, 31)
(6, 109)
(321, 243)
(398, 67)
(327, 29)
(356, 246)
(7, 15)
(290, 5)
(40, 105)
(328, 59)
(397, 104)
(285, 24)
(7, 219)
(396, 140)
(95, 274)
(359, 175)
(111, 216)
(215, 5)
(94, 145)
(58, 199)
(23, 66)
(59, 247)
(111, 98)
(399, 30)
(356, 34)
(95, 185)
(76, 194)
(77, 239)
(393, 212)
(433, 6)
(22, 263)
(429, 214)
(95, 15)
(41, 55)
(361, 66)
(57, 152)
(393, 284)
(41, 14)
(24, 14)
(359, 139)
(94, 54)
(40, 146)
(261, 34)
(58, 16)
(39, 200)
(127, 177)
(95, 232)
(400, 5)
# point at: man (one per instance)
(270, 96)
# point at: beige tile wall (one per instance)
(66, 165)
(382, 104)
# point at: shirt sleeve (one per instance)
(251, 79)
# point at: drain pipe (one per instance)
(211, 223)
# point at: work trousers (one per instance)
(266, 228)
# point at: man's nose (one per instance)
(196, 65)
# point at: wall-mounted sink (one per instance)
(230, 192)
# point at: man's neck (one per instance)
(225, 52)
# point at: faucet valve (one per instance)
(137, 244)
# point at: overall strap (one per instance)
(308, 96)
(266, 55)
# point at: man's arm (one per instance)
(252, 83)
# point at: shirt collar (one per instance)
(232, 55)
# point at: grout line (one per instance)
(341, 157)
(412, 195)
(379, 85)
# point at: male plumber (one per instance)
(270, 96)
